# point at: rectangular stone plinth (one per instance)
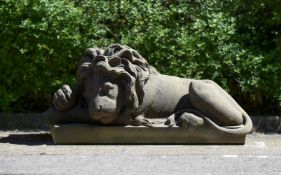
(98, 134)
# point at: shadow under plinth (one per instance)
(27, 138)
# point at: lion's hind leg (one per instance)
(208, 99)
(188, 118)
(190, 121)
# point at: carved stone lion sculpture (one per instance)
(117, 86)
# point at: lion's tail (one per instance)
(243, 129)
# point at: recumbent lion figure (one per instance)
(117, 86)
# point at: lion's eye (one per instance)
(106, 88)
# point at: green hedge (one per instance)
(235, 43)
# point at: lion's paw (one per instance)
(171, 121)
(189, 120)
(64, 98)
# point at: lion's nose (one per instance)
(99, 108)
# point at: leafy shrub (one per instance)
(40, 43)
(229, 42)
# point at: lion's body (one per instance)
(164, 94)
(118, 86)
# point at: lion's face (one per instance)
(104, 96)
(112, 81)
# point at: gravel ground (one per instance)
(39, 142)
(32, 152)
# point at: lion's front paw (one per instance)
(141, 121)
(189, 120)
(171, 121)
(64, 98)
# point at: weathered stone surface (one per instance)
(117, 86)
(100, 134)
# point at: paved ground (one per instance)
(33, 153)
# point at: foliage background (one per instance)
(236, 43)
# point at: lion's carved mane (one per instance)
(119, 61)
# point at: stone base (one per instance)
(98, 134)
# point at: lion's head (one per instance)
(112, 81)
